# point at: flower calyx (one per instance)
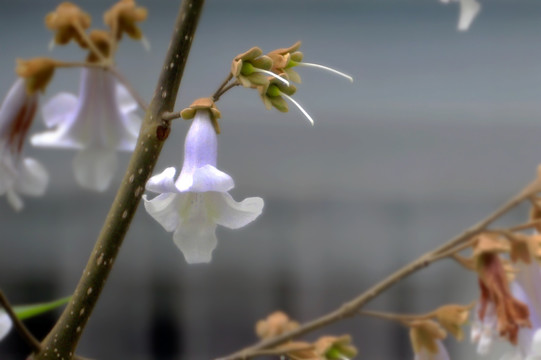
(426, 336)
(123, 17)
(452, 316)
(275, 324)
(335, 348)
(202, 104)
(68, 21)
(284, 59)
(252, 68)
(273, 93)
(37, 72)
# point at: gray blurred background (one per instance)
(438, 128)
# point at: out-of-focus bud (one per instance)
(102, 41)
(123, 17)
(426, 336)
(67, 21)
(335, 348)
(452, 317)
(201, 104)
(275, 324)
(37, 72)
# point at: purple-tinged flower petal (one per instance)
(5, 324)
(205, 178)
(165, 209)
(59, 109)
(441, 355)
(164, 182)
(232, 214)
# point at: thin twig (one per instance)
(525, 226)
(222, 85)
(67, 331)
(21, 328)
(217, 96)
(168, 116)
(352, 307)
(403, 319)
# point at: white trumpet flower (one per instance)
(98, 123)
(198, 200)
(18, 174)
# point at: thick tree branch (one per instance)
(63, 338)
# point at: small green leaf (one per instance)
(27, 311)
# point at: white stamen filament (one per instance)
(328, 69)
(51, 45)
(278, 77)
(145, 43)
(300, 108)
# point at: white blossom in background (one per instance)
(5, 324)
(18, 175)
(100, 122)
(198, 200)
(424, 354)
(483, 332)
(468, 11)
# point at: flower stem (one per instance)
(225, 89)
(353, 306)
(218, 92)
(67, 331)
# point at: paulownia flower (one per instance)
(98, 123)
(198, 200)
(18, 174)
(468, 11)
(5, 324)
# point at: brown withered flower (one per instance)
(511, 313)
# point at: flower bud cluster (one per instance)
(271, 75)
(324, 348)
